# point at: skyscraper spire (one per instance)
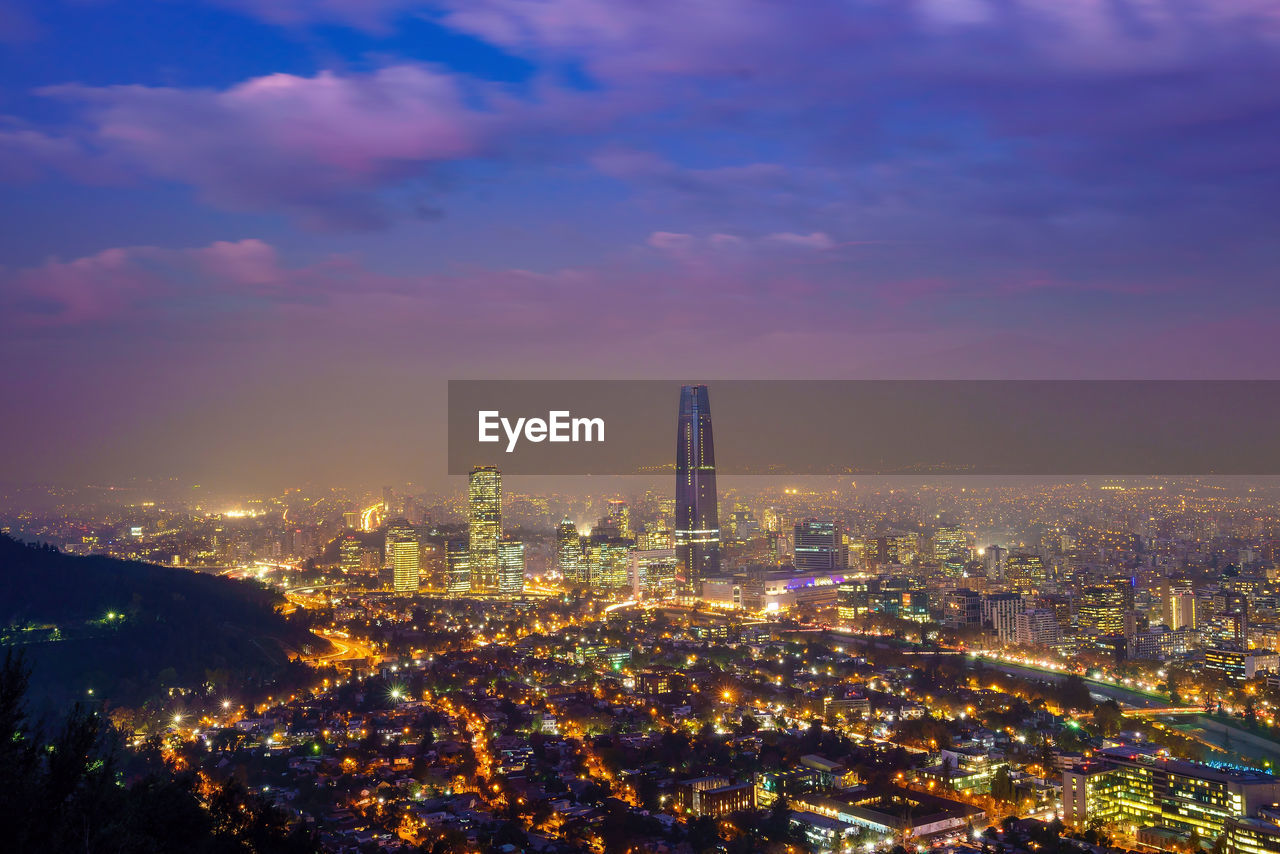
(697, 515)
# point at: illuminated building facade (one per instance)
(1145, 789)
(818, 546)
(1104, 609)
(697, 514)
(1256, 835)
(619, 516)
(569, 557)
(510, 567)
(351, 556)
(951, 549)
(484, 513)
(653, 572)
(404, 557)
(1180, 608)
(1000, 611)
(1037, 627)
(608, 562)
(1238, 663)
(457, 561)
(1026, 572)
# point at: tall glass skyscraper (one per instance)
(485, 516)
(510, 566)
(697, 516)
(403, 556)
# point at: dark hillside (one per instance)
(132, 630)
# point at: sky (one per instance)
(249, 241)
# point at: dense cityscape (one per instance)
(827, 666)
(361, 492)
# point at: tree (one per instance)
(1002, 785)
(1108, 716)
(59, 792)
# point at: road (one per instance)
(348, 649)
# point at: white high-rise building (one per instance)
(1001, 611)
(1037, 627)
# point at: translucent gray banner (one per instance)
(1050, 427)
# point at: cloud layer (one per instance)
(387, 192)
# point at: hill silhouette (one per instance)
(130, 630)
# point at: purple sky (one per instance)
(247, 241)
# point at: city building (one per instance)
(697, 529)
(1106, 609)
(510, 567)
(1026, 572)
(1180, 608)
(569, 557)
(819, 546)
(1000, 611)
(891, 811)
(653, 573)
(1238, 663)
(457, 557)
(1252, 835)
(350, 556)
(484, 513)
(1037, 627)
(963, 609)
(714, 796)
(404, 555)
(951, 549)
(619, 515)
(608, 562)
(1145, 788)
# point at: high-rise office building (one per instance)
(510, 567)
(962, 609)
(818, 546)
(457, 561)
(569, 557)
(697, 515)
(404, 556)
(351, 554)
(951, 549)
(1026, 572)
(484, 512)
(1180, 608)
(1037, 627)
(1000, 611)
(609, 563)
(994, 559)
(619, 516)
(653, 572)
(1106, 609)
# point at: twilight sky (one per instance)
(247, 241)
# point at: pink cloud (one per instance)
(317, 146)
(688, 244)
(738, 37)
(113, 282)
(27, 154)
(814, 240)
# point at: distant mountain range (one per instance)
(131, 631)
